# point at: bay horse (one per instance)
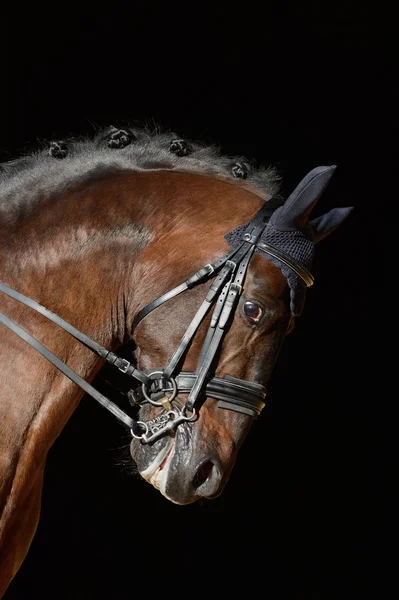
(189, 258)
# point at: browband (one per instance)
(303, 273)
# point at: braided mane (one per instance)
(61, 164)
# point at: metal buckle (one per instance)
(135, 397)
(126, 366)
(210, 268)
(235, 287)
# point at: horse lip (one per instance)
(159, 461)
(165, 460)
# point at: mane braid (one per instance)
(62, 164)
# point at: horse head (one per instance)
(195, 459)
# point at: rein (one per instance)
(160, 387)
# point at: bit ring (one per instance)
(142, 424)
(154, 402)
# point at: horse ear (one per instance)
(324, 225)
(294, 214)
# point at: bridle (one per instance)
(161, 386)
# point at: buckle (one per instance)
(235, 287)
(126, 365)
(135, 397)
(156, 397)
(230, 264)
(199, 275)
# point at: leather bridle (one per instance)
(161, 386)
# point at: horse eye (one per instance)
(253, 311)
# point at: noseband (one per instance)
(160, 387)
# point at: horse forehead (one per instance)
(265, 278)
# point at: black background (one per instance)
(295, 85)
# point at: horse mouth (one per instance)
(156, 472)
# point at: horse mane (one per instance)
(60, 165)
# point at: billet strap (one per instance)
(224, 308)
(70, 373)
(120, 363)
(213, 293)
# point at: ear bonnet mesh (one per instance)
(293, 243)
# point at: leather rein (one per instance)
(160, 387)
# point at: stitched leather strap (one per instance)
(303, 273)
(70, 373)
(232, 393)
(120, 363)
(195, 279)
(196, 322)
(223, 311)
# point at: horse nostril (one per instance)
(203, 473)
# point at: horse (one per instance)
(190, 259)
